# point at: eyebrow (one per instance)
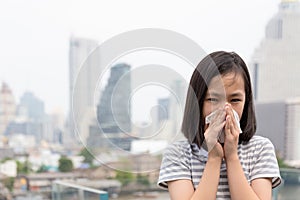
(235, 94)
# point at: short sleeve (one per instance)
(265, 163)
(175, 164)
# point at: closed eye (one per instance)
(212, 99)
(236, 100)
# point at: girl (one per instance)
(241, 166)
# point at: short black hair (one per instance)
(216, 63)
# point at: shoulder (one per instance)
(257, 146)
(262, 160)
(175, 163)
(178, 148)
(257, 139)
(178, 152)
(258, 142)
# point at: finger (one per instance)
(229, 111)
(228, 125)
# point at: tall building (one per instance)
(271, 123)
(7, 107)
(166, 123)
(293, 130)
(275, 63)
(25, 128)
(81, 63)
(114, 108)
(31, 120)
(163, 111)
(279, 121)
(113, 125)
(32, 107)
(275, 73)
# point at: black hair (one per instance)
(216, 63)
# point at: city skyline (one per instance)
(35, 57)
(71, 116)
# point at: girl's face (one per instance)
(229, 88)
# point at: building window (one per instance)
(279, 29)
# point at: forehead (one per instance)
(228, 83)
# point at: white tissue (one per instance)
(221, 136)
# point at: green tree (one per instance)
(42, 168)
(9, 183)
(65, 164)
(88, 157)
(143, 179)
(124, 177)
(23, 168)
(5, 159)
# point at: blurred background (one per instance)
(46, 45)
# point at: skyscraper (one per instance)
(33, 106)
(170, 126)
(279, 121)
(113, 125)
(80, 62)
(163, 111)
(275, 63)
(30, 118)
(275, 73)
(293, 129)
(7, 107)
(114, 108)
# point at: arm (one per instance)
(184, 189)
(260, 188)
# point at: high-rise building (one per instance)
(114, 109)
(166, 125)
(275, 73)
(7, 107)
(275, 63)
(271, 123)
(279, 121)
(26, 128)
(81, 63)
(32, 107)
(163, 110)
(113, 125)
(293, 129)
(31, 120)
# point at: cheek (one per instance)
(207, 109)
(239, 109)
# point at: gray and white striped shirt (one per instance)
(183, 160)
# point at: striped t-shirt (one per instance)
(183, 160)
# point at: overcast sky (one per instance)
(35, 34)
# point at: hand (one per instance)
(232, 133)
(217, 151)
(212, 132)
